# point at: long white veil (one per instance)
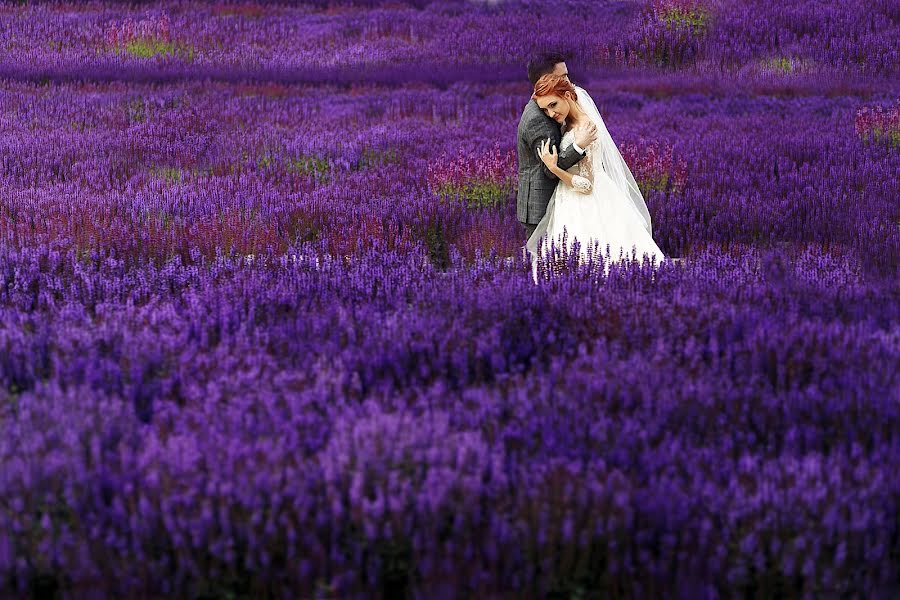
(609, 160)
(613, 163)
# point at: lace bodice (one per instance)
(583, 170)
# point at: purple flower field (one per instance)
(267, 331)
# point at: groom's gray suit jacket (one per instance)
(536, 182)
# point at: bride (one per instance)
(597, 200)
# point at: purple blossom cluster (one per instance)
(253, 167)
(377, 424)
(445, 39)
(266, 328)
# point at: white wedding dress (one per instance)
(595, 212)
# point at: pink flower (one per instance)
(654, 166)
(882, 124)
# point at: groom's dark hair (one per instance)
(543, 64)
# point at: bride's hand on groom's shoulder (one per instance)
(548, 154)
(585, 135)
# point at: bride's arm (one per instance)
(582, 182)
(537, 134)
(577, 182)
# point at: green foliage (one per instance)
(783, 65)
(148, 48)
(171, 175)
(476, 193)
(136, 111)
(696, 19)
(151, 47)
(438, 249)
(373, 157)
(265, 161)
(79, 125)
(779, 64)
(657, 182)
(310, 165)
(57, 45)
(882, 136)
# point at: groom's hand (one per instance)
(585, 135)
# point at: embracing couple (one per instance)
(572, 178)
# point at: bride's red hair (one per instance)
(553, 85)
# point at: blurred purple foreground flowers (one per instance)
(266, 329)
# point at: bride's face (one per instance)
(555, 107)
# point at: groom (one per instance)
(536, 182)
